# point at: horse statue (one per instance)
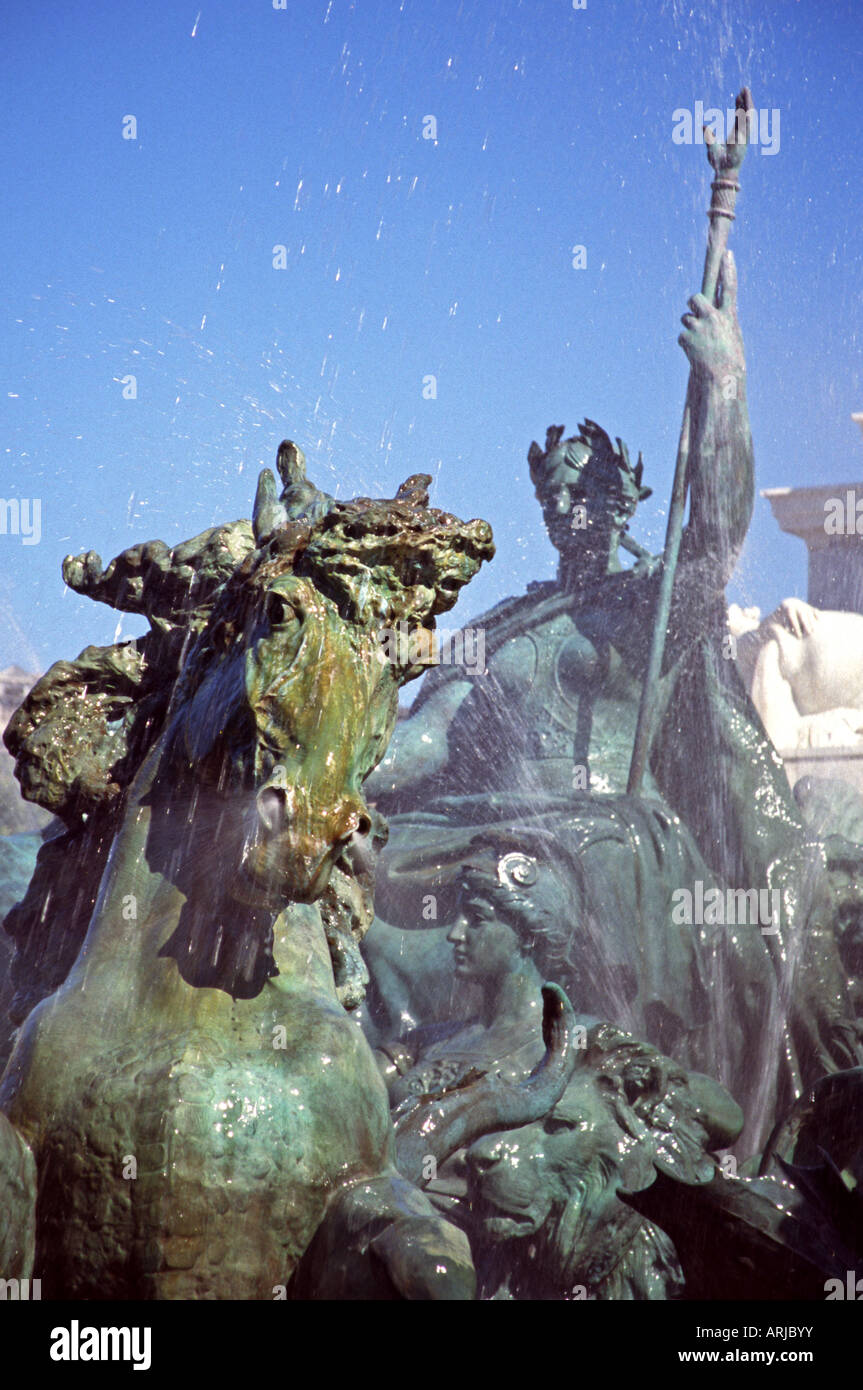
(186, 1075)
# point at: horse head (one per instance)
(251, 714)
(291, 696)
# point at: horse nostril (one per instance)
(358, 851)
(271, 809)
(483, 1159)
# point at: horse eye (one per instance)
(279, 610)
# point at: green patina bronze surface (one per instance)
(189, 1109)
(189, 1083)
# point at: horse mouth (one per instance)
(272, 873)
(270, 877)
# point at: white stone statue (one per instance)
(803, 668)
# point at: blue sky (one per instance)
(405, 257)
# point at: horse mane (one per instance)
(86, 726)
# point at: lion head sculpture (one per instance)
(546, 1219)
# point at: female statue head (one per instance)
(514, 903)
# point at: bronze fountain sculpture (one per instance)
(190, 1111)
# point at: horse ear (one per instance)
(414, 490)
(291, 463)
(268, 513)
(300, 499)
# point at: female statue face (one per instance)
(484, 945)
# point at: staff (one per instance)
(725, 159)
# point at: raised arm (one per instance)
(721, 465)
